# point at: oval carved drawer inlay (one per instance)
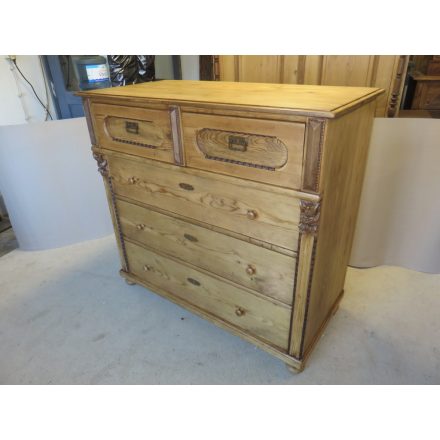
(254, 150)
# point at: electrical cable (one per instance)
(45, 86)
(32, 87)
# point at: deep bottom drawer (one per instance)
(264, 319)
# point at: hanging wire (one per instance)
(32, 87)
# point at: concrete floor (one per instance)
(66, 317)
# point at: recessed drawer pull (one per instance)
(186, 186)
(239, 311)
(132, 180)
(190, 238)
(147, 268)
(140, 227)
(251, 214)
(237, 143)
(131, 127)
(250, 270)
(193, 281)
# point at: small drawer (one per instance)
(262, 318)
(138, 131)
(257, 149)
(255, 267)
(258, 211)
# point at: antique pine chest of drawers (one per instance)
(237, 201)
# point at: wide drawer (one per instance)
(263, 270)
(257, 149)
(258, 211)
(139, 131)
(262, 318)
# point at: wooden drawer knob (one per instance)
(140, 227)
(250, 270)
(251, 214)
(132, 180)
(186, 186)
(239, 311)
(147, 268)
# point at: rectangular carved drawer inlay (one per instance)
(257, 268)
(262, 318)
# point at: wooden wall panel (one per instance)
(260, 68)
(347, 70)
(382, 71)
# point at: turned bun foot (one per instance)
(129, 282)
(293, 370)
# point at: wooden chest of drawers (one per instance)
(237, 201)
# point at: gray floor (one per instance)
(66, 317)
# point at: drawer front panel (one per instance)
(259, 317)
(262, 150)
(271, 216)
(263, 270)
(139, 131)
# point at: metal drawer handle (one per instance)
(190, 238)
(193, 281)
(132, 127)
(251, 214)
(140, 227)
(250, 270)
(237, 143)
(239, 311)
(186, 186)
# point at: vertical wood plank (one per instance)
(227, 67)
(301, 293)
(259, 68)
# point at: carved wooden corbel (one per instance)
(309, 217)
(102, 164)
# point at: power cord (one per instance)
(46, 108)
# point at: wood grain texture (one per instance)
(427, 94)
(229, 203)
(267, 272)
(146, 132)
(89, 119)
(271, 144)
(260, 68)
(226, 246)
(176, 130)
(347, 70)
(312, 158)
(263, 319)
(301, 294)
(305, 99)
(346, 149)
(297, 364)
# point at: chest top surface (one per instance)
(327, 100)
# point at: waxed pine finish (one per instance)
(237, 201)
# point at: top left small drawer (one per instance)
(139, 131)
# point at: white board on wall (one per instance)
(50, 184)
(399, 215)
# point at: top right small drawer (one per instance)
(262, 150)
